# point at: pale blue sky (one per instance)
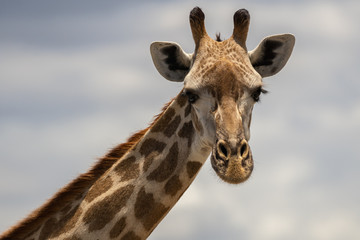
(76, 78)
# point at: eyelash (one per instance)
(192, 97)
(256, 94)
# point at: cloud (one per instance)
(76, 80)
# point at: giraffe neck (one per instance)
(134, 195)
(139, 189)
(62, 206)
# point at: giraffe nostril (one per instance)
(244, 149)
(223, 150)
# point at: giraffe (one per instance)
(130, 190)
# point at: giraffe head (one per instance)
(223, 81)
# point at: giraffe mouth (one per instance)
(232, 165)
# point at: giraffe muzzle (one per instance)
(232, 160)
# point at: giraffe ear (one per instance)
(271, 55)
(170, 60)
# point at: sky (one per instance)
(76, 79)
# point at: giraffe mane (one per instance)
(76, 188)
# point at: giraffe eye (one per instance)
(256, 94)
(192, 97)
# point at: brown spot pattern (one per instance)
(148, 161)
(68, 222)
(192, 168)
(181, 100)
(28, 235)
(167, 166)
(147, 210)
(130, 236)
(118, 228)
(101, 213)
(187, 131)
(127, 169)
(173, 185)
(187, 110)
(73, 238)
(173, 125)
(151, 145)
(65, 210)
(163, 121)
(101, 186)
(48, 228)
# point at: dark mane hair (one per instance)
(218, 38)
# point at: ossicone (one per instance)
(241, 26)
(197, 18)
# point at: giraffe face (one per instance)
(223, 81)
(222, 90)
